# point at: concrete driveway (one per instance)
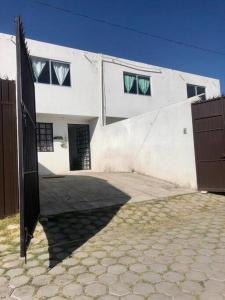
(78, 191)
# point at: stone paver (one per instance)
(25, 292)
(143, 288)
(41, 280)
(169, 249)
(72, 290)
(18, 281)
(119, 289)
(95, 289)
(47, 291)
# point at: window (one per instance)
(44, 137)
(51, 72)
(136, 84)
(195, 90)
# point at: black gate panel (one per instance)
(83, 147)
(27, 149)
(209, 139)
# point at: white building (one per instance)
(80, 96)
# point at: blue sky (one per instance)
(199, 22)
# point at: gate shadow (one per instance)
(90, 204)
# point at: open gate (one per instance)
(27, 150)
(209, 140)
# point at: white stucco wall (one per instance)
(81, 99)
(84, 97)
(167, 86)
(153, 143)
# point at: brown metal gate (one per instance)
(209, 140)
(8, 150)
(27, 148)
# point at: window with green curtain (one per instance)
(130, 84)
(144, 85)
(136, 84)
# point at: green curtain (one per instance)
(128, 81)
(143, 84)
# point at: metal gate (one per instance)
(209, 140)
(27, 150)
(83, 147)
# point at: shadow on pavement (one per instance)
(69, 230)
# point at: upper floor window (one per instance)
(136, 84)
(195, 90)
(51, 72)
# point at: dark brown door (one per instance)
(8, 150)
(209, 140)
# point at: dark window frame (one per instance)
(50, 61)
(196, 87)
(44, 133)
(137, 76)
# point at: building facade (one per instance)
(79, 92)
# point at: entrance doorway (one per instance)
(79, 147)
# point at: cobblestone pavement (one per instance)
(172, 248)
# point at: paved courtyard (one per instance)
(77, 191)
(172, 248)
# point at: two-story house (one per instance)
(75, 90)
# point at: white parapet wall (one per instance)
(158, 143)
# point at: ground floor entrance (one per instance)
(79, 147)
